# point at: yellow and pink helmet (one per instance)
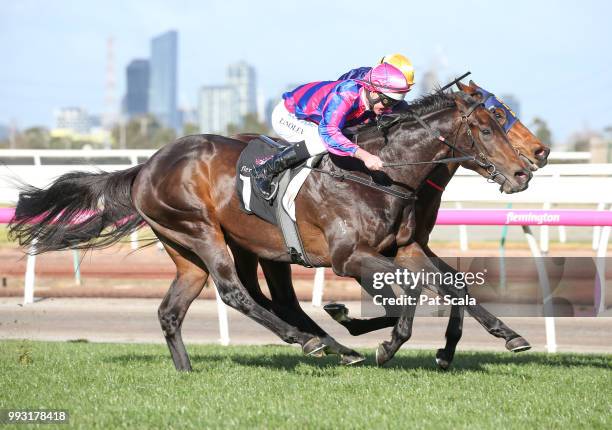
(388, 80)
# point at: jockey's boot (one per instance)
(265, 172)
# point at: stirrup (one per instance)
(274, 186)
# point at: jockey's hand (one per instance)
(371, 161)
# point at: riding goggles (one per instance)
(387, 101)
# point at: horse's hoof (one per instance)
(351, 359)
(518, 344)
(314, 348)
(337, 311)
(382, 356)
(320, 353)
(442, 362)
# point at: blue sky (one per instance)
(554, 56)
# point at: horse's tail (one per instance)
(75, 209)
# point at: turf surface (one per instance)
(135, 386)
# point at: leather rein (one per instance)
(482, 161)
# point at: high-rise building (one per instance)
(513, 103)
(74, 119)
(137, 92)
(242, 77)
(217, 108)
(163, 79)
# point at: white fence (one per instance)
(40, 167)
(568, 184)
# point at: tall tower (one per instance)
(242, 77)
(137, 91)
(163, 79)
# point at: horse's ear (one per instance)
(461, 100)
(472, 84)
(462, 86)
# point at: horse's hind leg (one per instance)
(205, 239)
(189, 281)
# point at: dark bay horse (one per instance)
(531, 149)
(186, 194)
(278, 275)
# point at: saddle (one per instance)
(279, 211)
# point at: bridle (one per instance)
(482, 160)
(492, 103)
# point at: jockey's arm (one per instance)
(333, 118)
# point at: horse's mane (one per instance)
(424, 105)
(428, 103)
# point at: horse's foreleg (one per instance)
(246, 267)
(357, 326)
(364, 259)
(211, 247)
(189, 281)
(454, 330)
(496, 327)
(287, 306)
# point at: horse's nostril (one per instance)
(521, 176)
(541, 154)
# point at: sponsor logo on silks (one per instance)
(260, 161)
(492, 102)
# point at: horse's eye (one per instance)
(486, 131)
(498, 116)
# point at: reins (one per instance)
(483, 162)
(342, 176)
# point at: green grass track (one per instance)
(133, 386)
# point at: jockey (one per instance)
(312, 116)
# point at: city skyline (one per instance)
(550, 62)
